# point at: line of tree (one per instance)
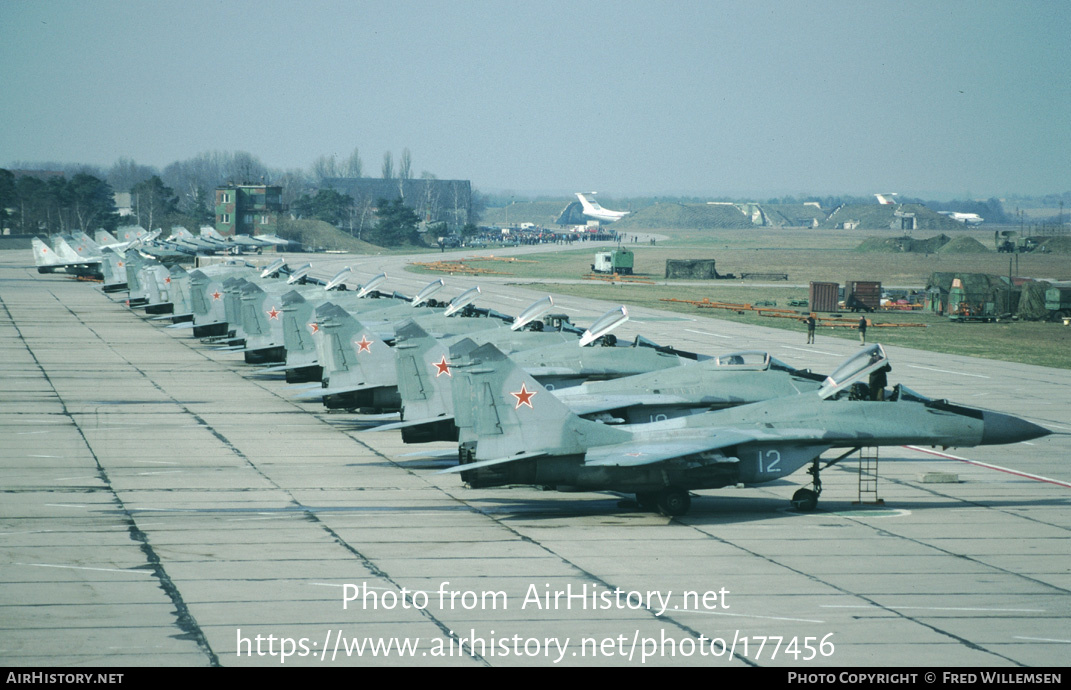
(30, 205)
(193, 183)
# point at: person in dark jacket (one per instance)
(878, 380)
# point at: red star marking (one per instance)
(314, 327)
(524, 397)
(167, 280)
(273, 314)
(120, 264)
(363, 345)
(443, 367)
(44, 250)
(216, 295)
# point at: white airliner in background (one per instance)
(596, 212)
(886, 199)
(968, 218)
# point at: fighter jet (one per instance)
(424, 376)
(359, 365)
(184, 239)
(524, 435)
(67, 258)
(255, 243)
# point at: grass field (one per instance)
(1044, 344)
(815, 255)
(805, 255)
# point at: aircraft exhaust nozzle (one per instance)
(1000, 428)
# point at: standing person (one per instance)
(878, 380)
(862, 330)
(810, 329)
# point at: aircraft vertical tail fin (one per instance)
(65, 251)
(180, 290)
(507, 412)
(299, 324)
(349, 346)
(424, 373)
(252, 316)
(105, 238)
(88, 245)
(43, 257)
(114, 270)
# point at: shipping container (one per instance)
(823, 296)
(862, 294)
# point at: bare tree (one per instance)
(294, 183)
(354, 166)
(405, 165)
(430, 202)
(324, 167)
(388, 166)
(125, 173)
(246, 168)
(461, 204)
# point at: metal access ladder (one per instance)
(868, 477)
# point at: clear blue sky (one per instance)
(629, 97)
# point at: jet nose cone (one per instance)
(1000, 428)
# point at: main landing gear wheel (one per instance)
(805, 500)
(648, 500)
(673, 502)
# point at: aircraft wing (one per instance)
(542, 372)
(647, 452)
(583, 404)
(411, 422)
(631, 454)
(493, 461)
(649, 449)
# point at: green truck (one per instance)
(618, 261)
(1058, 302)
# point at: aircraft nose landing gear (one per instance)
(806, 500)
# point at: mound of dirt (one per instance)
(963, 245)
(685, 217)
(1055, 245)
(316, 235)
(903, 244)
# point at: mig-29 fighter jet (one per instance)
(359, 365)
(424, 377)
(524, 435)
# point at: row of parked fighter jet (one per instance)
(535, 400)
(102, 256)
